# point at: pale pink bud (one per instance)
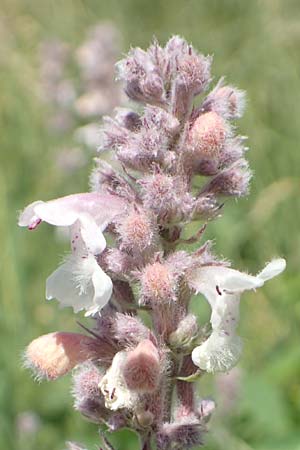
(53, 355)
(137, 231)
(158, 284)
(141, 370)
(208, 135)
(119, 262)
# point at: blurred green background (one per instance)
(256, 46)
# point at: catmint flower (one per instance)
(113, 386)
(89, 212)
(79, 282)
(53, 355)
(222, 288)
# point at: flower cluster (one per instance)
(129, 375)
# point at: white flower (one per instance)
(113, 386)
(86, 214)
(79, 282)
(222, 287)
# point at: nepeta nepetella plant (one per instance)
(128, 374)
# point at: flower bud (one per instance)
(104, 178)
(119, 262)
(137, 231)
(85, 383)
(167, 197)
(186, 433)
(143, 82)
(141, 370)
(231, 182)
(145, 418)
(128, 119)
(207, 135)
(53, 355)
(227, 101)
(88, 399)
(195, 71)
(117, 421)
(153, 88)
(129, 330)
(157, 284)
(206, 207)
(183, 337)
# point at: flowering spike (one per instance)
(170, 163)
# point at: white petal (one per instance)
(236, 281)
(92, 235)
(62, 286)
(225, 313)
(102, 291)
(28, 216)
(113, 386)
(272, 269)
(219, 353)
(212, 280)
(66, 210)
(57, 212)
(80, 283)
